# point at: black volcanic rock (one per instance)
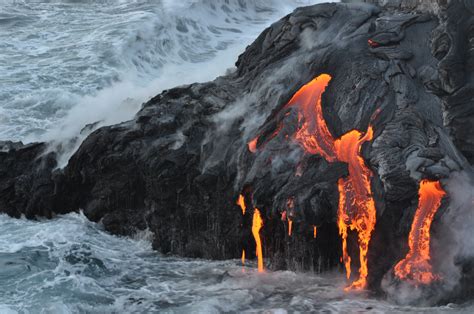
(178, 167)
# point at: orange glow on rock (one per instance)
(257, 224)
(241, 203)
(290, 226)
(243, 258)
(253, 145)
(315, 232)
(373, 43)
(416, 265)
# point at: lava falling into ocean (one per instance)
(356, 210)
(257, 224)
(356, 205)
(416, 266)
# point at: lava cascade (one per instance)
(356, 205)
(257, 224)
(416, 265)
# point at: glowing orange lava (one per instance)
(243, 258)
(416, 265)
(253, 145)
(290, 226)
(315, 232)
(257, 224)
(241, 203)
(313, 133)
(356, 204)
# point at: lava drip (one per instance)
(241, 203)
(416, 266)
(257, 224)
(356, 205)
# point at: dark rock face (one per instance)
(179, 165)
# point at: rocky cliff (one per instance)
(179, 166)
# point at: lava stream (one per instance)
(241, 203)
(356, 204)
(313, 133)
(257, 224)
(416, 265)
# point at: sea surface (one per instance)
(70, 265)
(68, 63)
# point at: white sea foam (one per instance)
(70, 265)
(72, 63)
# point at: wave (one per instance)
(71, 265)
(99, 63)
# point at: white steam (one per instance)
(182, 65)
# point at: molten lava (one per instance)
(416, 265)
(243, 258)
(356, 205)
(253, 145)
(290, 226)
(241, 203)
(313, 133)
(257, 224)
(315, 232)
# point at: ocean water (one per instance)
(70, 265)
(68, 63)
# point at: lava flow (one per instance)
(257, 224)
(241, 203)
(416, 265)
(313, 133)
(356, 205)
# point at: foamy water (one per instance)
(70, 265)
